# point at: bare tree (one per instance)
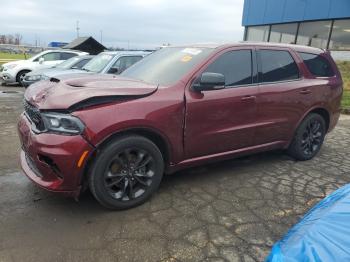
(18, 38)
(2, 39)
(10, 39)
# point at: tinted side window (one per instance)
(317, 65)
(65, 56)
(277, 66)
(236, 66)
(81, 63)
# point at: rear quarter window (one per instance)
(317, 65)
(277, 66)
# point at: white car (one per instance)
(14, 72)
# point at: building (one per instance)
(57, 44)
(86, 44)
(319, 23)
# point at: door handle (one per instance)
(245, 98)
(305, 92)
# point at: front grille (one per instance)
(34, 116)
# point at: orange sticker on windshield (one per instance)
(186, 58)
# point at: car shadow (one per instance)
(196, 176)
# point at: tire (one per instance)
(126, 172)
(20, 76)
(308, 138)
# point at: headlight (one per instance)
(62, 123)
(10, 66)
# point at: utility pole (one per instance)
(77, 28)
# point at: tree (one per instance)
(10, 39)
(18, 38)
(2, 39)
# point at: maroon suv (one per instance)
(179, 107)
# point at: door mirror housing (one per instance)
(41, 60)
(210, 81)
(114, 70)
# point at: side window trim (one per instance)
(259, 66)
(323, 58)
(253, 67)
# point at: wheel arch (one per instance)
(324, 113)
(20, 71)
(157, 138)
(318, 110)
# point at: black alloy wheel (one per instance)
(129, 174)
(308, 138)
(312, 137)
(126, 172)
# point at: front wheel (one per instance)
(308, 138)
(20, 76)
(126, 172)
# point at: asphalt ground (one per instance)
(230, 211)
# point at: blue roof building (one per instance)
(320, 23)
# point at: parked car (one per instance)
(76, 62)
(14, 72)
(176, 108)
(109, 62)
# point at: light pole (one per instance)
(77, 28)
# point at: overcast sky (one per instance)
(144, 23)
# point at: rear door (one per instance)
(280, 103)
(223, 120)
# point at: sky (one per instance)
(127, 23)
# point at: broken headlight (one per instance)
(62, 123)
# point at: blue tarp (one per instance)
(322, 235)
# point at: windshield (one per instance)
(68, 63)
(98, 63)
(168, 65)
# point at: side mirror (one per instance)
(113, 70)
(41, 60)
(210, 81)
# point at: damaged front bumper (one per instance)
(54, 162)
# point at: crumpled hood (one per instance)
(79, 91)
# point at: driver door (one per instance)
(223, 120)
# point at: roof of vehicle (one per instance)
(299, 48)
(87, 44)
(126, 52)
(84, 56)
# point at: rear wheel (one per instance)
(126, 172)
(20, 76)
(308, 138)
